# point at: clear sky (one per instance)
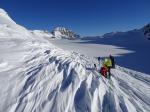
(86, 17)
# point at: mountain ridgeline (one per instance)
(57, 33)
(146, 30)
(61, 32)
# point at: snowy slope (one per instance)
(133, 40)
(91, 50)
(8, 28)
(41, 33)
(39, 77)
(36, 76)
(5, 19)
(131, 48)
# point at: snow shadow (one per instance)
(68, 80)
(108, 104)
(31, 78)
(47, 51)
(53, 93)
(134, 41)
(123, 105)
(82, 101)
(28, 85)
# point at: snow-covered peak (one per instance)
(5, 19)
(146, 30)
(61, 29)
(110, 34)
(61, 32)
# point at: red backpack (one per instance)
(103, 71)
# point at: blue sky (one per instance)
(86, 17)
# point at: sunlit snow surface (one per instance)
(36, 76)
(131, 49)
(91, 50)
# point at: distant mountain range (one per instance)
(146, 30)
(62, 32)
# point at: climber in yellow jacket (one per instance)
(108, 64)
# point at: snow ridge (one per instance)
(42, 33)
(50, 79)
(5, 19)
(8, 28)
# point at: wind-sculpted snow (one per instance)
(38, 77)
